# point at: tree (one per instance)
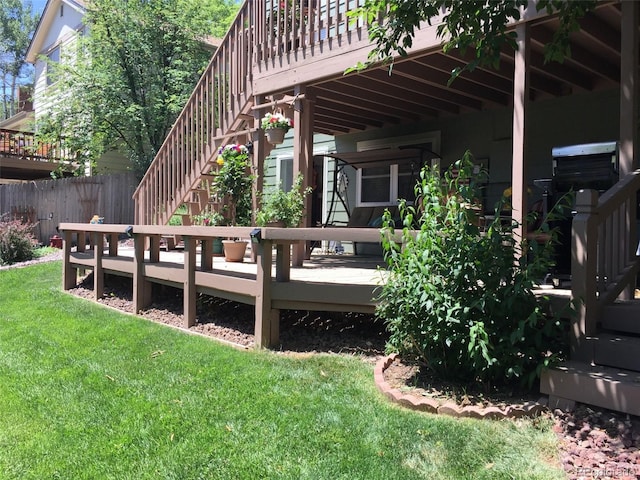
(132, 74)
(481, 25)
(17, 24)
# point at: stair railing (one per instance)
(215, 109)
(604, 261)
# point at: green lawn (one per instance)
(89, 393)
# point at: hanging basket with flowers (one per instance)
(275, 126)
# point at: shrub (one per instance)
(461, 301)
(17, 242)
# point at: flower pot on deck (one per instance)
(218, 249)
(234, 250)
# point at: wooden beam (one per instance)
(267, 321)
(98, 272)
(189, 286)
(628, 88)
(520, 99)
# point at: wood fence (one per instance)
(51, 202)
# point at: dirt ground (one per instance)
(595, 443)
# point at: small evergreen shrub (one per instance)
(17, 242)
(460, 300)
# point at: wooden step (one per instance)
(618, 351)
(622, 317)
(605, 387)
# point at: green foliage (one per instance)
(234, 181)
(17, 24)
(17, 242)
(462, 300)
(480, 25)
(209, 219)
(130, 76)
(286, 207)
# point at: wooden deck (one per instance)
(270, 282)
(324, 282)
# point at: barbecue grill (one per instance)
(576, 167)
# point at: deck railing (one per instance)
(267, 292)
(284, 26)
(25, 145)
(604, 259)
(213, 111)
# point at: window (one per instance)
(284, 172)
(53, 59)
(384, 185)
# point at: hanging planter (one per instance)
(275, 136)
(275, 126)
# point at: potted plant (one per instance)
(281, 208)
(212, 219)
(275, 126)
(233, 182)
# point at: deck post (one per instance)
(113, 244)
(69, 274)
(189, 281)
(303, 159)
(206, 254)
(628, 160)
(267, 326)
(583, 274)
(141, 286)
(520, 100)
(154, 248)
(98, 272)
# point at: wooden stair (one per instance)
(612, 388)
(611, 379)
(219, 111)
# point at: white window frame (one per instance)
(392, 142)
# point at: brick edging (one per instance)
(432, 405)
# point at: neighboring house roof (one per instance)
(48, 16)
(20, 121)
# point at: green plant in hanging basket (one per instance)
(276, 120)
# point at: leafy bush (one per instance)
(17, 242)
(460, 300)
(285, 207)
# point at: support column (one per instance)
(259, 154)
(69, 273)
(629, 118)
(303, 158)
(520, 100)
(189, 286)
(98, 270)
(267, 326)
(141, 286)
(628, 86)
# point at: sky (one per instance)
(38, 5)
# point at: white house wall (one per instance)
(58, 31)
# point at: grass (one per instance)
(89, 393)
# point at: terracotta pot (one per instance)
(275, 136)
(234, 250)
